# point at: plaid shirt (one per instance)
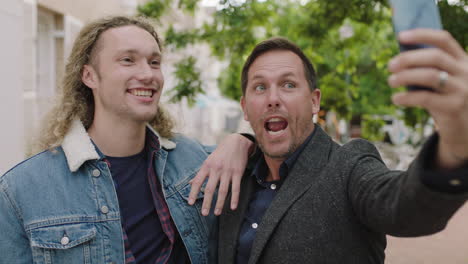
(152, 147)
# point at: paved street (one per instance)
(447, 247)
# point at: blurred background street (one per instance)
(447, 247)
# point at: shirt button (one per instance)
(96, 173)
(65, 240)
(254, 225)
(455, 182)
(273, 186)
(104, 209)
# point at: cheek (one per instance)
(157, 73)
(114, 79)
(301, 112)
(160, 78)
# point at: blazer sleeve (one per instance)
(397, 203)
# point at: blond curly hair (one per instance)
(75, 100)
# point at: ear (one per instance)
(90, 77)
(316, 94)
(242, 102)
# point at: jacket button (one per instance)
(96, 173)
(65, 240)
(104, 209)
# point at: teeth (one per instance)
(274, 119)
(144, 93)
(275, 133)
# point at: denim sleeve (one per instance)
(14, 243)
(209, 148)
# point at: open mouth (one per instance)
(141, 92)
(275, 125)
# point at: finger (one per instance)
(196, 183)
(433, 102)
(428, 77)
(432, 57)
(222, 193)
(439, 38)
(210, 188)
(235, 190)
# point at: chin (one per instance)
(145, 117)
(275, 153)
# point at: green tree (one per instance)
(352, 68)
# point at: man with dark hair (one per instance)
(306, 199)
(112, 182)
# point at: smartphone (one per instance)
(409, 14)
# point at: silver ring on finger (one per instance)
(443, 77)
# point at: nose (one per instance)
(145, 73)
(273, 98)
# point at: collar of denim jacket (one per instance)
(78, 147)
(165, 142)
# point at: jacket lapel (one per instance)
(308, 165)
(231, 221)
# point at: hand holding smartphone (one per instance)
(411, 14)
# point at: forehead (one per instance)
(127, 38)
(276, 62)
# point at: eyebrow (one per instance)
(284, 75)
(134, 51)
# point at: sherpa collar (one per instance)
(78, 147)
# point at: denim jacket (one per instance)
(61, 206)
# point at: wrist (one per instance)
(448, 159)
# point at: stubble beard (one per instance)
(282, 155)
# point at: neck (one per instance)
(117, 137)
(273, 168)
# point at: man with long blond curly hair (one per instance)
(113, 182)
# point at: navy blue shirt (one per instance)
(139, 216)
(146, 239)
(261, 199)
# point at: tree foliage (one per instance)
(349, 42)
(189, 82)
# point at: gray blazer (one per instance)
(336, 206)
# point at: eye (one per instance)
(127, 60)
(155, 63)
(289, 85)
(259, 88)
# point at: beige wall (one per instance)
(89, 10)
(23, 100)
(11, 106)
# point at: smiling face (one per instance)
(125, 74)
(279, 103)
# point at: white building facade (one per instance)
(37, 36)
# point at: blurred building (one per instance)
(37, 36)
(212, 116)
